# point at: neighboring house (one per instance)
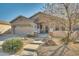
(22, 26)
(4, 27)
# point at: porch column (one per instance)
(44, 29)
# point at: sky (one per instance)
(9, 11)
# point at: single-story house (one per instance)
(40, 23)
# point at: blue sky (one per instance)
(10, 11)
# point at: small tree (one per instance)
(69, 12)
(12, 45)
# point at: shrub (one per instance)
(50, 43)
(12, 45)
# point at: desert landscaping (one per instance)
(53, 31)
(35, 46)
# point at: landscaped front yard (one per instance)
(37, 46)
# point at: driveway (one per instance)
(8, 36)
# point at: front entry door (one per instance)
(43, 29)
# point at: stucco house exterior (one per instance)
(38, 23)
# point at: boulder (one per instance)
(50, 43)
(31, 47)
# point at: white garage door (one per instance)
(23, 30)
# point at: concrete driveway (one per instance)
(8, 36)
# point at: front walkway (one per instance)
(41, 36)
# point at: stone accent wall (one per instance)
(58, 33)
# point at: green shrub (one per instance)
(12, 45)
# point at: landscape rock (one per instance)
(31, 47)
(28, 53)
(49, 43)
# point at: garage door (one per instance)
(23, 30)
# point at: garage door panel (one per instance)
(23, 30)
